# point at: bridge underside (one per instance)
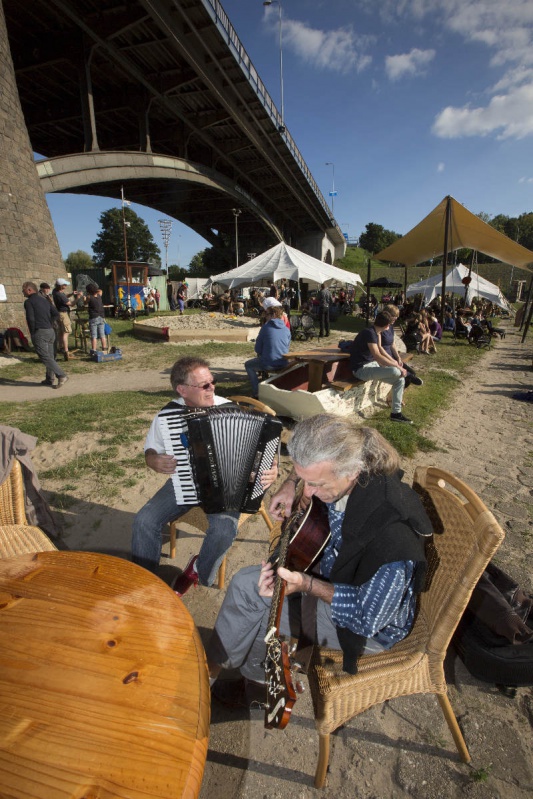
(165, 79)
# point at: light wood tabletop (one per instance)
(104, 690)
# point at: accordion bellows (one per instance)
(221, 453)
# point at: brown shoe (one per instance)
(239, 693)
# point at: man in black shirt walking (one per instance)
(40, 318)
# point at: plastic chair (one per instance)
(17, 537)
(467, 536)
(197, 518)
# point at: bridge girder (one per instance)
(165, 77)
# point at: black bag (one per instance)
(494, 638)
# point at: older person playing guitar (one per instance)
(369, 571)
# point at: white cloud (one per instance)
(413, 63)
(505, 27)
(440, 167)
(339, 50)
(525, 180)
(509, 115)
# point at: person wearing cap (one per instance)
(271, 344)
(46, 292)
(271, 302)
(63, 303)
(40, 318)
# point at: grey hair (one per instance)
(351, 449)
(183, 367)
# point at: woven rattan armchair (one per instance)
(197, 518)
(17, 537)
(467, 536)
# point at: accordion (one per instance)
(221, 453)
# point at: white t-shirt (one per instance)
(154, 438)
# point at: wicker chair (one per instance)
(197, 518)
(17, 537)
(457, 556)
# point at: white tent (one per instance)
(478, 287)
(280, 262)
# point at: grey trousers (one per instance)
(43, 341)
(238, 639)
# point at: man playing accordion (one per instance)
(194, 384)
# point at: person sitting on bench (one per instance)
(369, 361)
(271, 345)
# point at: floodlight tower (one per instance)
(166, 229)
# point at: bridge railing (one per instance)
(222, 22)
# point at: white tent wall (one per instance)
(478, 287)
(281, 262)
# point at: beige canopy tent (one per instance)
(449, 227)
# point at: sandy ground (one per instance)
(401, 749)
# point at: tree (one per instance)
(78, 260)
(109, 244)
(376, 238)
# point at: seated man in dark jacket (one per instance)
(371, 570)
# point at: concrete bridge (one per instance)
(160, 96)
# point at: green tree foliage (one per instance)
(375, 238)
(78, 260)
(109, 244)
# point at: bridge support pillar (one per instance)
(323, 247)
(29, 249)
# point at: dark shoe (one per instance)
(239, 693)
(46, 383)
(399, 417)
(187, 578)
(66, 355)
(61, 382)
(413, 380)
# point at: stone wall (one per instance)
(29, 249)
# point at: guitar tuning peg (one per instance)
(292, 650)
(300, 687)
(297, 667)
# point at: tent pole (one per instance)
(445, 255)
(526, 304)
(368, 291)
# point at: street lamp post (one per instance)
(166, 229)
(281, 127)
(236, 213)
(332, 192)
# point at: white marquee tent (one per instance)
(280, 262)
(478, 287)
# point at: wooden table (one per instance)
(316, 358)
(104, 690)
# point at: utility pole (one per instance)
(166, 229)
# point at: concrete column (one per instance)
(29, 249)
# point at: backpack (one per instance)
(494, 638)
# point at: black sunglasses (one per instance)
(204, 386)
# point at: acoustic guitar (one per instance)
(303, 538)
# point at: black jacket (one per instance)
(40, 313)
(384, 522)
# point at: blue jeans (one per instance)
(147, 533)
(388, 374)
(253, 366)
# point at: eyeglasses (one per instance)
(203, 386)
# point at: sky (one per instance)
(394, 104)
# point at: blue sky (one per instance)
(411, 100)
